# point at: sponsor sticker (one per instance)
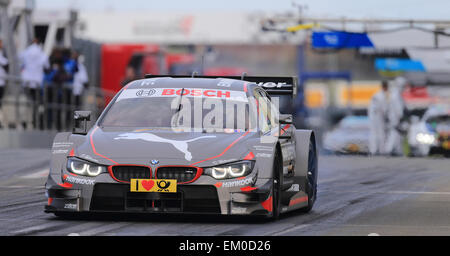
(263, 148)
(187, 92)
(237, 183)
(238, 210)
(265, 155)
(60, 151)
(80, 181)
(225, 83)
(294, 187)
(70, 206)
(153, 185)
(62, 144)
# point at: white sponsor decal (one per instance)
(181, 145)
(236, 183)
(79, 181)
(271, 85)
(265, 155)
(62, 144)
(70, 206)
(225, 83)
(294, 187)
(60, 151)
(147, 82)
(263, 148)
(238, 210)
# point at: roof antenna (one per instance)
(243, 75)
(194, 73)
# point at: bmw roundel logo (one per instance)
(154, 161)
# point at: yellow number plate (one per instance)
(153, 185)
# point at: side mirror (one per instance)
(285, 119)
(81, 118)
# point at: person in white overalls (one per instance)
(377, 113)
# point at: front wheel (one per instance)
(311, 184)
(276, 187)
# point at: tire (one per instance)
(311, 181)
(276, 186)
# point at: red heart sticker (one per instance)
(148, 184)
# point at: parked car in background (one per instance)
(350, 135)
(431, 133)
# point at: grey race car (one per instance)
(203, 145)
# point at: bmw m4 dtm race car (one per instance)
(197, 145)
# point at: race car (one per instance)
(194, 145)
(431, 134)
(351, 135)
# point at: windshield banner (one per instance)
(187, 92)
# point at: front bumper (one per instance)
(192, 198)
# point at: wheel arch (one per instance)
(302, 139)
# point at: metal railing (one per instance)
(48, 107)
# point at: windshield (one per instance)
(355, 122)
(439, 123)
(157, 108)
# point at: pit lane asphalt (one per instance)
(357, 195)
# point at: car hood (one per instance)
(166, 146)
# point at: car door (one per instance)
(284, 133)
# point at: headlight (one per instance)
(229, 171)
(425, 138)
(84, 168)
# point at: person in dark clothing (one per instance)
(130, 75)
(3, 67)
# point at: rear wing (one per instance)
(273, 85)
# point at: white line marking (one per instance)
(103, 229)
(393, 192)
(373, 234)
(291, 229)
(19, 186)
(419, 192)
(32, 229)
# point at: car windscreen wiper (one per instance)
(179, 101)
(177, 111)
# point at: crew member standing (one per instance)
(34, 61)
(395, 115)
(377, 113)
(80, 78)
(3, 64)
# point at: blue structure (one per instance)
(397, 64)
(340, 39)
